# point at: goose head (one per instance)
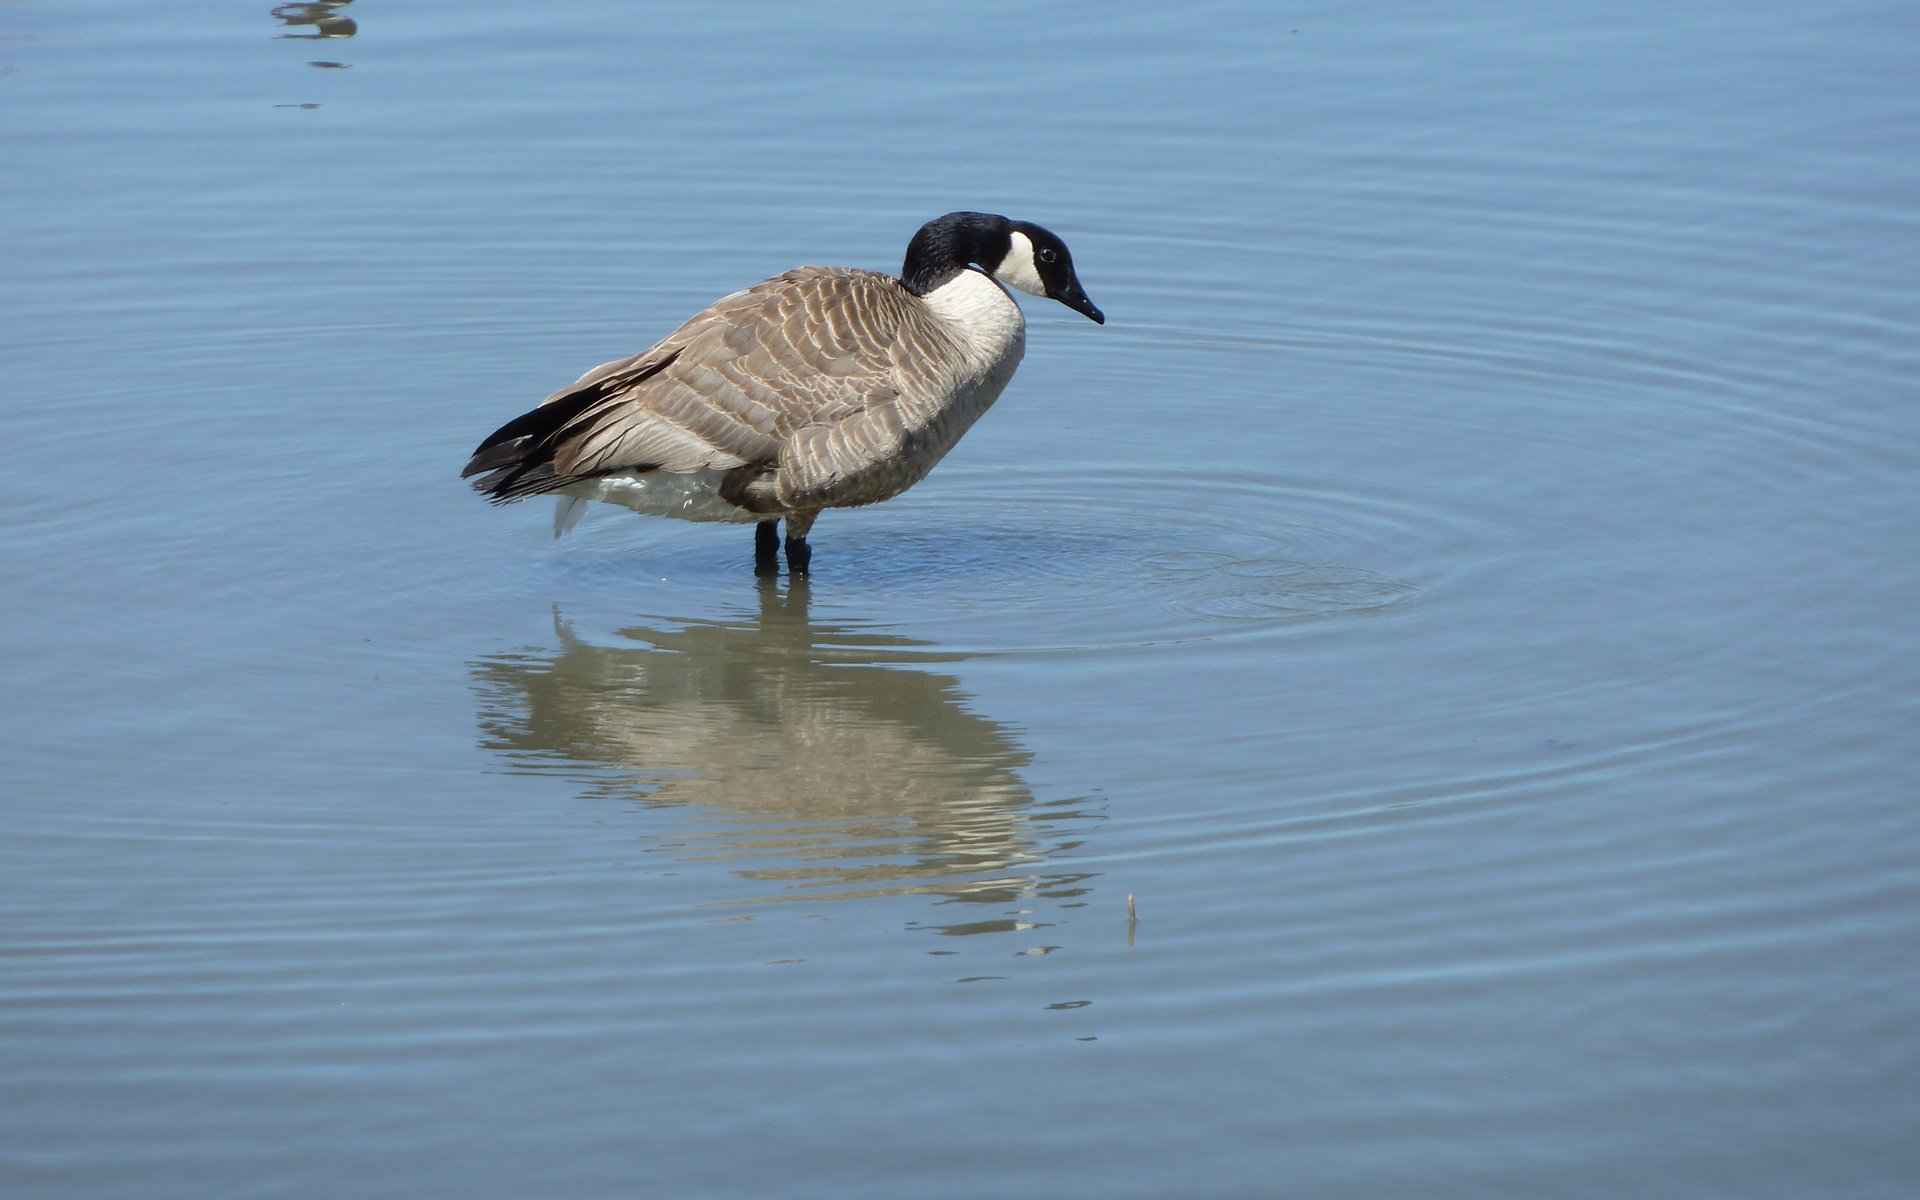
(1019, 254)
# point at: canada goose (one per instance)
(825, 387)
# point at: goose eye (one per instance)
(1046, 256)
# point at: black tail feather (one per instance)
(516, 460)
(492, 458)
(517, 482)
(540, 425)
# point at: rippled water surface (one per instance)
(1463, 602)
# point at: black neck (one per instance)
(946, 246)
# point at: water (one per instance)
(1464, 597)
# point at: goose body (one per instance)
(824, 387)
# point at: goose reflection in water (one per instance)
(839, 769)
(326, 21)
(324, 16)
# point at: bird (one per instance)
(823, 387)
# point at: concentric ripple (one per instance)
(984, 562)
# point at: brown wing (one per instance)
(814, 347)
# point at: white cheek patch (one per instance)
(1017, 268)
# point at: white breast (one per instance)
(982, 316)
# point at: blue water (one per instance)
(1463, 600)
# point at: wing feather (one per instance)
(794, 359)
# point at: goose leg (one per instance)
(766, 547)
(799, 554)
